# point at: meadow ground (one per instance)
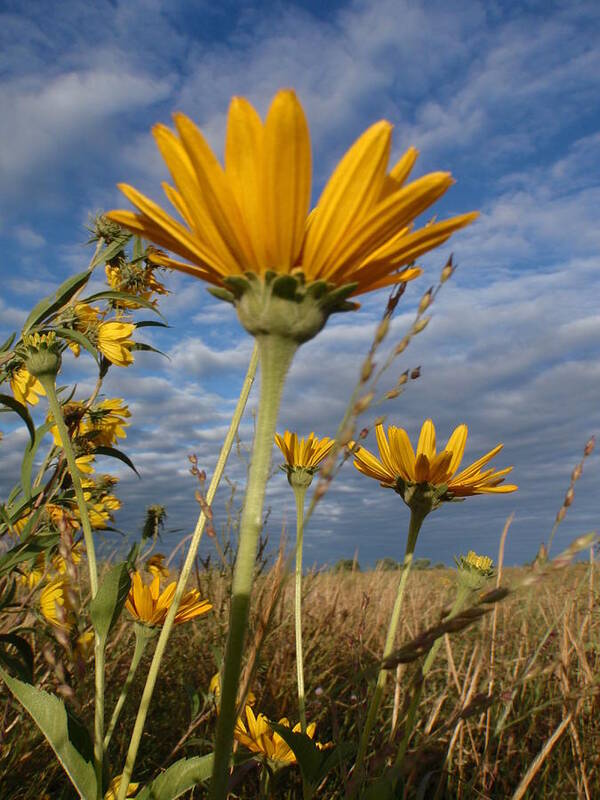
(536, 657)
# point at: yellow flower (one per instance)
(86, 320)
(482, 564)
(259, 737)
(214, 687)
(59, 563)
(113, 790)
(134, 279)
(155, 565)
(107, 421)
(85, 464)
(304, 453)
(400, 465)
(34, 575)
(114, 343)
(253, 214)
(54, 605)
(25, 387)
(73, 414)
(84, 645)
(148, 605)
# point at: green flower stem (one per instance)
(183, 578)
(48, 383)
(416, 520)
(143, 635)
(276, 354)
(461, 597)
(300, 494)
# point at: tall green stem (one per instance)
(300, 493)
(183, 578)
(416, 520)
(276, 354)
(57, 415)
(142, 637)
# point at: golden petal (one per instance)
(421, 468)
(287, 180)
(404, 452)
(399, 173)
(369, 465)
(473, 468)
(349, 195)
(426, 444)
(456, 446)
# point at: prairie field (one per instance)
(509, 709)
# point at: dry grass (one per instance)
(536, 736)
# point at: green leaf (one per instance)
(180, 777)
(22, 661)
(27, 551)
(21, 410)
(113, 249)
(29, 456)
(79, 338)
(310, 758)
(108, 603)
(6, 345)
(148, 349)
(110, 294)
(138, 249)
(65, 734)
(49, 305)
(151, 323)
(114, 453)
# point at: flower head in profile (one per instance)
(258, 736)
(150, 606)
(246, 225)
(54, 604)
(426, 476)
(25, 387)
(302, 456)
(474, 570)
(114, 343)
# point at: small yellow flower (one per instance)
(25, 387)
(155, 565)
(113, 790)
(114, 343)
(399, 464)
(253, 214)
(303, 453)
(54, 605)
(482, 564)
(259, 737)
(148, 605)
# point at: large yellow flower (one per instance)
(259, 737)
(148, 605)
(398, 463)
(114, 342)
(54, 604)
(253, 214)
(26, 387)
(303, 453)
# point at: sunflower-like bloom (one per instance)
(400, 468)
(148, 605)
(136, 279)
(54, 605)
(303, 453)
(259, 737)
(107, 421)
(25, 387)
(113, 790)
(114, 343)
(252, 215)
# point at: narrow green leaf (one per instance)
(65, 734)
(29, 457)
(111, 250)
(6, 345)
(112, 452)
(148, 349)
(108, 603)
(110, 294)
(310, 758)
(27, 551)
(151, 323)
(180, 777)
(49, 305)
(79, 338)
(21, 410)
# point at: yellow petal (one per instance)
(426, 444)
(456, 446)
(349, 195)
(287, 176)
(399, 173)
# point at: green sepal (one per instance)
(65, 734)
(337, 299)
(222, 294)
(179, 778)
(49, 305)
(237, 285)
(286, 287)
(106, 606)
(21, 410)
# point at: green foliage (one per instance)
(179, 778)
(108, 603)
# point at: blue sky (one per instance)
(504, 95)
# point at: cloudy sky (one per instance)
(504, 95)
